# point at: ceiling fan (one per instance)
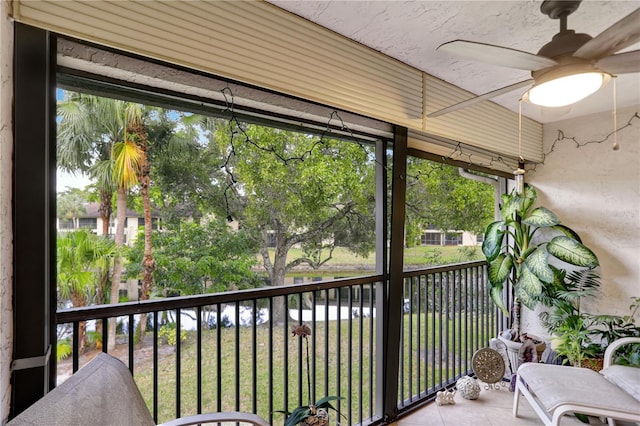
(567, 69)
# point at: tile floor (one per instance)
(492, 408)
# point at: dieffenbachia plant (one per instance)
(522, 260)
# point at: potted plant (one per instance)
(317, 413)
(581, 338)
(518, 248)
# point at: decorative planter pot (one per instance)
(513, 350)
(315, 421)
(321, 418)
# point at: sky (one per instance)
(64, 180)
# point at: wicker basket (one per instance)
(595, 364)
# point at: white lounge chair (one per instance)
(555, 390)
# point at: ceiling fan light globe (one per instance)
(565, 90)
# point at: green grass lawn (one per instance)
(414, 256)
(269, 391)
(348, 368)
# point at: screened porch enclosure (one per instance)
(385, 340)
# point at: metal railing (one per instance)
(448, 317)
(234, 350)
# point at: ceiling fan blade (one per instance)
(497, 55)
(480, 98)
(622, 63)
(623, 33)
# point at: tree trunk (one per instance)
(277, 275)
(105, 210)
(148, 263)
(121, 215)
(77, 300)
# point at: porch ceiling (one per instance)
(410, 31)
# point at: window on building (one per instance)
(453, 239)
(88, 222)
(431, 239)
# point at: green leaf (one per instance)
(298, 415)
(542, 218)
(493, 240)
(496, 295)
(500, 268)
(538, 264)
(511, 206)
(529, 198)
(565, 230)
(571, 251)
(529, 287)
(325, 402)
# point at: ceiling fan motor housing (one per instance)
(563, 43)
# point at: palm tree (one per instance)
(70, 206)
(81, 256)
(126, 158)
(88, 127)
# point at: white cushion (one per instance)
(627, 378)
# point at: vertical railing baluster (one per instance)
(155, 366)
(199, 359)
(402, 366)
(350, 353)
(424, 289)
(131, 341)
(372, 339)
(462, 278)
(105, 334)
(178, 363)
(270, 359)
(447, 310)
(338, 348)
(75, 345)
(300, 356)
(326, 341)
(237, 355)
(285, 369)
(441, 315)
(254, 357)
(314, 342)
(218, 357)
(416, 280)
(361, 354)
(410, 342)
(433, 329)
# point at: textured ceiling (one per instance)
(410, 31)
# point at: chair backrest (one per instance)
(102, 392)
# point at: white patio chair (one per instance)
(556, 390)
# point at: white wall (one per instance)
(6, 168)
(596, 192)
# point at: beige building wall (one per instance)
(596, 191)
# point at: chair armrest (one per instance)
(230, 416)
(613, 347)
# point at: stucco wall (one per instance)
(6, 148)
(596, 192)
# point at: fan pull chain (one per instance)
(519, 172)
(615, 117)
